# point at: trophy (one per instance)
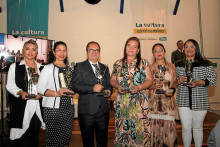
(162, 69)
(73, 64)
(100, 78)
(63, 84)
(33, 80)
(189, 71)
(128, 89)
(125, 85)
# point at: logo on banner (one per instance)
(28, 18)
(151, 28)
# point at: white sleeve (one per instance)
(11, 85)
(42, 85)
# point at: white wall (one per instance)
(81, 23)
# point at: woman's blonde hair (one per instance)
(29, 41)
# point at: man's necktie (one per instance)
(96, 70)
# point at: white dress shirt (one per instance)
(93, 67)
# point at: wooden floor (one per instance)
(209, 123)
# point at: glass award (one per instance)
(30, 90)
(33, 80)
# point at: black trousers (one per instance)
(31, 137)
(94, 124)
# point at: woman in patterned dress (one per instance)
(195, 74)
(161, 100)
(58, 107)
(131, 77)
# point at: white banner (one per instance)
(149, 23)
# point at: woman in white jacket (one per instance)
(58, 107)
(25, 113)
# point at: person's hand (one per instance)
(61, 91)
(182, 79)
(193, 84)
(23, 95)
(120, 90)
(158, 85)
(70, 91)
(109, 93)
(38, 96)
(170, 92)
(134, 90)
(97, 88)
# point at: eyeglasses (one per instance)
(132, 46)
(188, 47)
(94, 50)
(158, 50)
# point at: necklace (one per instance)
(60, 64)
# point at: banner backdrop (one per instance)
(149, 23)
(28, 18)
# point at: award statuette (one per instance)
(100, 78)
(189, 71)
(63, 84)
(73, 64)
(128, 89)
(33, 80)
(30, 90)
(162, 69)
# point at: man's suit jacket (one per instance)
(84, 80)
(177, 55)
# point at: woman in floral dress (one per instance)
(131, 77)
(161, 100)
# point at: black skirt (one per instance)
(59, 123)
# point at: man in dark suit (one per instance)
(90, 78)
(179, 53)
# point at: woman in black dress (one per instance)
(58, 107)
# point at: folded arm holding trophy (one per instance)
(188, 80)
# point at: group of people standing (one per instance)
(145, 103)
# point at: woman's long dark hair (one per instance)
(198, 55)
(51, 55)
(138, 55)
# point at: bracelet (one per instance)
(174, 90)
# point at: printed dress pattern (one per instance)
(131, 120)
(162, 110)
